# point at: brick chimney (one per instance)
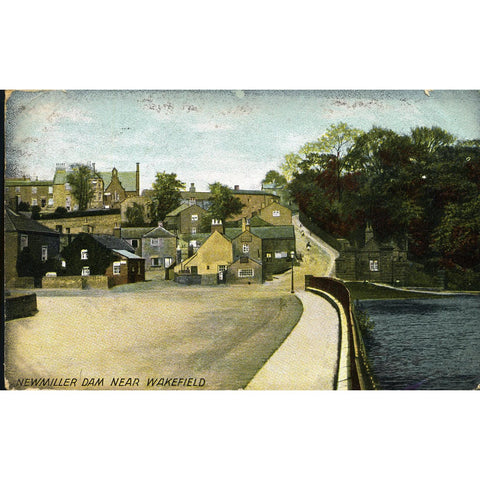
(236, 187)
(245, 224)
(217, 226)
(192, 188)
(137, 179)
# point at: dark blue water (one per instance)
(426, 344)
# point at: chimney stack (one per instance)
(192, 188)
(93, 167)
(137, 178)
(217, 226)
(245, 224)
(237, 187)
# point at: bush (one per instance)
(36, 212)
(365, 324)
(61, 212)
(23, 207)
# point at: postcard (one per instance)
(242, 240)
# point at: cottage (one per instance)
(212, 258)
(375, 261)
(133, 236)
(103, 255)
(272, 246)
(275, 214)
(159, 248)
(244, 270)
(185, 220)
(31, 249)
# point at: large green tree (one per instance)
(135, 215)
(330, 151)
(272, 176)
(223, 202)
(80, 182)
(166, 195)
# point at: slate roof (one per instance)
(15, 222)
(199, 195)
(178, 210)
(127, 179)
(112, 243)
(158, 232)
(253, 192)
(12, 182)
(126, 254)
(265, 233)
(134, 232)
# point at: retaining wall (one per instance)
(92, 281)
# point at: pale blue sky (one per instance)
(233, 137)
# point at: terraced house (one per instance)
(34, 192)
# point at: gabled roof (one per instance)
(127, 179)
(265, 233)
(112, 243)
(15, 222)
(198, 195)
(134, 232)
(159, 232)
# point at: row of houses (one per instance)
(110, 189)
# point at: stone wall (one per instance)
(92, 281)
(100, 223)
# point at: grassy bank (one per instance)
(367, 291)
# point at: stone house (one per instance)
(275, 214)
(159, 248)
(134, 236)
(192, 197)
(34, 192)
(244, 270)
(90, 254)
(253, 201)
(185, 220)
(213, 257)
(374, 262)
(28, 241)
(272, 246)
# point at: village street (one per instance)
(220, 335)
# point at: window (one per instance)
(246, 248)
(43, 202)
(155, 262)
(374, 265)
(194, 230)
(192, 201)
(59, 228)
(222, 268)
(68, 201)
(116, 268)
(281, 255)
(67, 186)
(64, 264)
(23, 241)
(44, 253)
(85, 271)
(50, 189)
(208, 267)
(34, 190)
(245, 272)
(17, 189)
(50, 202)
(268, 257)
(117, 196)
(34, 202)
(84, 254)
(167, 261)
(276, 213)
(135, 243)
(154, 242)
(194, 218)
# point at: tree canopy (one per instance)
(272, 176)
(422, 186)
(166, 195)
(223, 203)
(80, 182)
(135, 215)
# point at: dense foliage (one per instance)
(424, 186)
(166, 195)
(135, 215)
(80, 181)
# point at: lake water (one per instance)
(427, 344)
